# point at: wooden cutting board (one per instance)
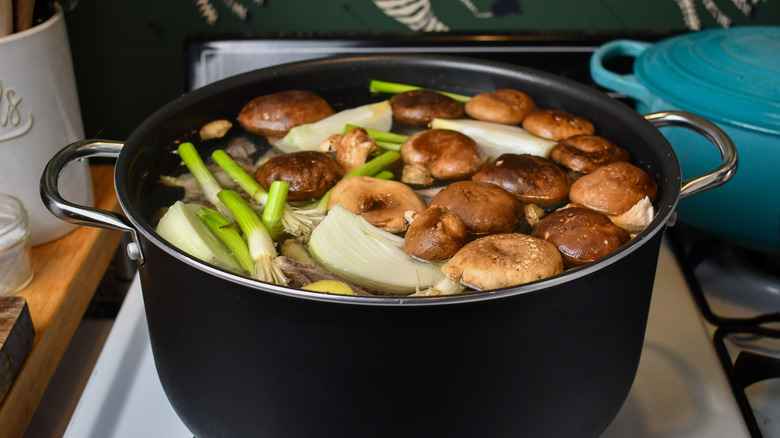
(16, 339)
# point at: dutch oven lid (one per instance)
(730, 75)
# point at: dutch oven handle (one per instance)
(79, 214)
(627, 84)
(716, 136)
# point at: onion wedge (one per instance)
(353, 249)
(496, 138)
(309, 137)
(182, 228)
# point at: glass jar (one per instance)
(16, 270)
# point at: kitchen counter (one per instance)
(67, 273)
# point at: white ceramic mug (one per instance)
(39, 115)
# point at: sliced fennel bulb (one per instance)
(496, 138)
(309, 137)
(182, 228)
(350, 247)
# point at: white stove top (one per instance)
(680, 389)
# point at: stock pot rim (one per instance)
(669, 172)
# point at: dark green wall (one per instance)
(129, 55)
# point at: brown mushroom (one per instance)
(435, 234)
(503, 260)
(581, 235)
(310, 174)
(439, 154)
(585, 153)
(530, 178)
(352, 149)
(419, 107)
(613, 189)
(556, 124)
(383, 203)
(504, 105)
(485, 208)
(273, 115)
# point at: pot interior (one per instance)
(343, 82)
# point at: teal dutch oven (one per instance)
(731, 77)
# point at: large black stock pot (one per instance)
(242, 358)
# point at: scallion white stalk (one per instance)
(228, 232)
(259, 241)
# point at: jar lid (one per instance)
(727, 75)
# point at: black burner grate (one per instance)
(748, 367)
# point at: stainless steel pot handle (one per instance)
(716, 136)
(79, 214)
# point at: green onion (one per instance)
(377, 135)
(385, 174)
(228, 232)
(208, 183)
(237, 173)
(274, 209)
(394, 88)
(261, 245)
(376, 164)
(388, 146)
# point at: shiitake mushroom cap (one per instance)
(503, 260)
(532, 179)
(273, 115)
(420, 107)
(435, 234)
(556, 124)
(310, 174)
(504, 105)
(383, 203)
(585, 153)
(581, 235)
(485, 208)
(614, 188)
(443, 154)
